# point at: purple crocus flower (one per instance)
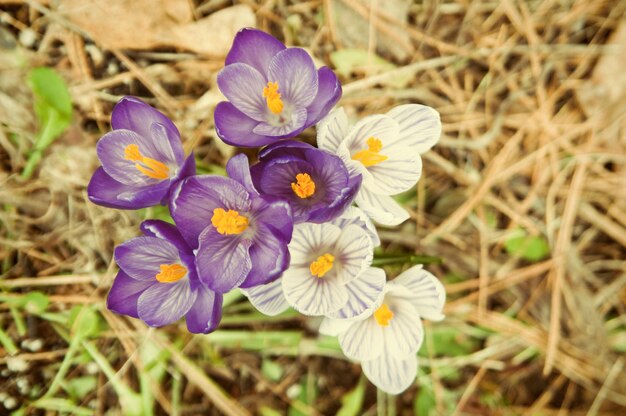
(142, 158)
(274, 92)
(240, 237)
(158, 282)
(315, 182)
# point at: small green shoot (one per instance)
(531, 248)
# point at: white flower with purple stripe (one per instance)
(385, 149)
(329, 272)
(387, 339)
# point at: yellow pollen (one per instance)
(272, 97)
(305, 187)
(371, 156)
(229, 222)
(383, 315)
(171, 273)
(322, 265)
(150, 167)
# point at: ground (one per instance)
(523, 199)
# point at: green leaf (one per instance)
(84, 322)
(79, 387)
(449, 342)
(424, 402)
(352, 402)
(349, 60)
(531, 248)
(53, 107)
(268, 411)
(62, 405)
(36, 302)
(271, 370)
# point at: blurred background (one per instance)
(523, 199)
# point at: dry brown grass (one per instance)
(533, 102)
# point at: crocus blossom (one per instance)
(314, 182)
(329, 272)
(385, 150)
(388, 336)
(240, 236)
(273, 92)
(158, 282)
(142, 158)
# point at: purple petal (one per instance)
(274, 212)
(328, 94)
(195, 198)
(223, 261)
(296, 75)
(111, 152)
(269, 257)
(124, 293)
(340, 204)
(284, 148)
(130, 113)
(243, 86)
(165, 303)
(238, 169)
(206, 312)
(255, 48)
(165, 231)
(141, 257)
(105, 191)
(235, 128)
(290, 129)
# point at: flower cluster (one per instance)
(283, 230)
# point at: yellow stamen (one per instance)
(322, 265)
(171, 273)
(371, 156)
(383, 315)
(229, 222)
(272, 97)
(305, 187)
(148, 166)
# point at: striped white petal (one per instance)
(311, 295)
(353, 253)
(381, 208)
(365, 294)
(423, 290)
(354, 215)
(363, 340)
(420, 126)
(332, 130)
(380, 126)
(397, 174)
(268, 299)
(391, 374)
(311, 240)
(334, 327)
(404, 333)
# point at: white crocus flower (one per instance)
(329, 272)
(385, 149)
(388, 337)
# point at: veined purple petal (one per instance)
(284, 148)
(105, 191)
(186, 170)
(340, 204)
(223, 261)
(235, 128)
(238, 169)
(195, 198)
(206, 312)
(130, 113)
(111, 150)
(243, 86)
(165, 303)
(328, 94)
(165, 231)
(269, 256)
(296, 75)
(255, 48)
(141, 257)
(124, 294)
(290, 129)
(274, 212)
